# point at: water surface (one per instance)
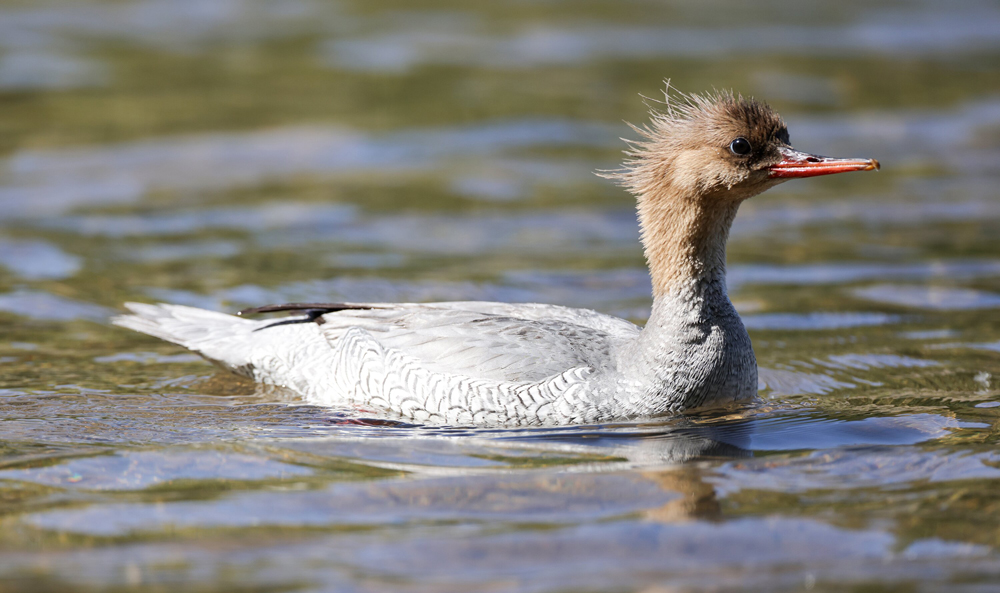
(230, 153)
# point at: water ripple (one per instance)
(50, 307)
(929, 297)
(37, 260)
(884, 31)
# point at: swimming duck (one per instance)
(484, 363)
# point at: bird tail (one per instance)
(222, 339)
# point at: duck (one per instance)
(507, 364)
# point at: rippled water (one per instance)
(229, 153)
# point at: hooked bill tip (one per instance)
(802, 164)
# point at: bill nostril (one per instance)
(812, 159)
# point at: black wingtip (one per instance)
(315, 308)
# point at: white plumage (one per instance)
(456, 363)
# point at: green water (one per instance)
(230, 153)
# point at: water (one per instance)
(230, 153)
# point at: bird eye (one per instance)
(740, 147)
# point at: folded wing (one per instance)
(494, 341)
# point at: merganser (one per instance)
(501, 364)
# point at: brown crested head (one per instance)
(720, 146)
(704, 145)
(698, 158)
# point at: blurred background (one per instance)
(230, 153)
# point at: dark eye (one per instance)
(740, 147)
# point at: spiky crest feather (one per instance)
(683, 119)
(677, 170)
